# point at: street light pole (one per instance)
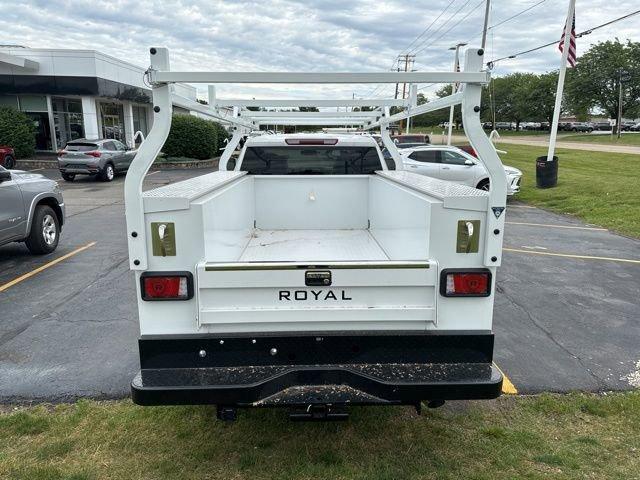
(486, 24)
(623, 76)
(456, 67)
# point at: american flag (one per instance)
(571, 58)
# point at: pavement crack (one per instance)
(549, 335)
(94, 208)
(52, 313)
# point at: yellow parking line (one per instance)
(567, 255)
(508, 388)
(44, 267)
(575, 227)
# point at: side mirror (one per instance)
(5, 175)
(469, 162)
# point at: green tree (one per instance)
(17, 131)
(594, 82)
(544, 90)
(514, 97)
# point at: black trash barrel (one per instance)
(546, 172)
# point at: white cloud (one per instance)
(305, 36)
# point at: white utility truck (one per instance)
(307, 274)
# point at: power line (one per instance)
(481, 2)
(586, 32)
(408, 49)
(508, 19)
(415, 50)
(430, 25)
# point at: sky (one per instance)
(314, 35)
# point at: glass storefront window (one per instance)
(9, 101)
(139, 121)
(33, 103)
(68, 121)
(112, 116)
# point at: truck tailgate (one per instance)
(269, 296)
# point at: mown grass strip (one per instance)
(550, 436)
(601, 188)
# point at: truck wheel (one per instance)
(69, 177)
(9, 162)
(108, 173)
(483, 185)
(45, 231)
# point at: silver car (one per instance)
(103, 158)
(31, 210)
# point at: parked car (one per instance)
(601, 126)
(32, 210)
(626, 126)
(504, 126)
(7, 157)
(413, 138)
(579, 127)
(103, 158)
(453, 164)
(635, 128)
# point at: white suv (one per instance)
(453, 164)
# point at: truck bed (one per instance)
(312, 246)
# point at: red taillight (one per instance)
(311, 141)
(93, 153)
(465, 283)
(159, 286)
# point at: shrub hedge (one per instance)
(17, 131)
(193, 137)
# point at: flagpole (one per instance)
(561, 75)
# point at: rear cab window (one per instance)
(80, 147)
(311, 160)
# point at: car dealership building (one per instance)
(73, 94)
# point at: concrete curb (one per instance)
(30, 164)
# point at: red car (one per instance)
(7, 157)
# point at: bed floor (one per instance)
(312, 245)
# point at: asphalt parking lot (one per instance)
(567, 315)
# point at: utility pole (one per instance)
(397, 69)
(408, 61)
(456, 68)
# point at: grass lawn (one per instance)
(630, 139)
(599, 187)
(548, 436)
